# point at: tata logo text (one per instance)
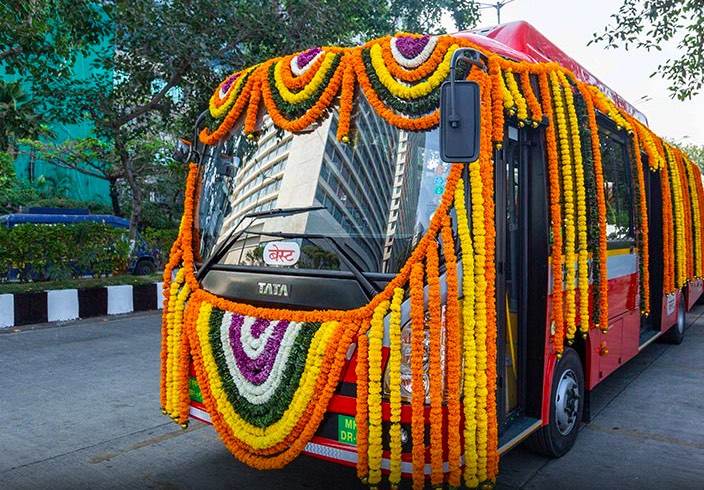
(274, 289)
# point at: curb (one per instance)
(72, 304)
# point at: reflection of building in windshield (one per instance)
(370, 192)
(401, 234)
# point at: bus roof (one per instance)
(522, 42)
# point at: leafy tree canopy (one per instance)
(650, 24)
(41, 38)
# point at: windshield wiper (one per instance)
(233, 235)
(282, 212)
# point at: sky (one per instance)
(570, 24)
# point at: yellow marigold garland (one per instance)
(414, 91)
(308, 90)
(395, 387)
(581, 206)
(518, 98)
(468, 338)
(376, 338)
(568, 195)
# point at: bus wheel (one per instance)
(567, 403)
(675, 335)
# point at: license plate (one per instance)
(346, 429)
(194, 391)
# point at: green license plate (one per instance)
(346, 429)
(194, 391)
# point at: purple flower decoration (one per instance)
(306, 57)
(228, 83)
(410, 46)
(256, 370)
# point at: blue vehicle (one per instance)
(144, 258)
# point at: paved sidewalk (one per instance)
(647, 430)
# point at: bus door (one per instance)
(651, 325)
(511, 168)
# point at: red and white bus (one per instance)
(339, 289)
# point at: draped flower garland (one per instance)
(267, 374)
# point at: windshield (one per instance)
(369, 201)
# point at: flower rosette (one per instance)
(406, 98)
(298, 89)
(266, 383)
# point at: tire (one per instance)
(144, 267)
(675, 335)
(567, 403)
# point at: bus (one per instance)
(343, 286)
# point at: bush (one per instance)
(161, 239)
(55, 252)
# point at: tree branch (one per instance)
(154, 102)
(10, 52)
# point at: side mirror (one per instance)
(182, 150)
(460, 113)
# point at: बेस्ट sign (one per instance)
(281, 253)
(346, 429)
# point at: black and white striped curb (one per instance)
(71, 304)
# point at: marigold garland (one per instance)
(453, 353)
(435, 325)
(581, 205)
(555, 216)
(417, 382)
(376, 337)
(568, 196)
(468, 338)
(395, 387)
(362, 412)
(601, 289)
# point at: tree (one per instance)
(166, 58)
(650, 24)
(41, 38)
(696, 153)
(19, 118)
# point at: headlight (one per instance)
(406, 372)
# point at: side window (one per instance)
(617, 187)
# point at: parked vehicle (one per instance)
(143, 258)
(343, 287)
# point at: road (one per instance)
(80, 409)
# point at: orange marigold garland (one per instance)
(435, 326)
(362, 412)
(417, 381)
(643, 229)
(453, 353)
(555, 215)
(601, 320)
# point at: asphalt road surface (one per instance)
(79, 408)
